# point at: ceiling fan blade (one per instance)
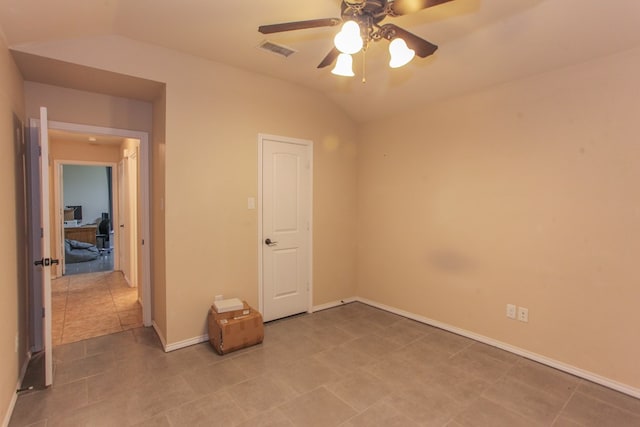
(422, 47)
(299, 25)
(404, 7)
(328, 60)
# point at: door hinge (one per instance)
(143, 242)
(42, 311)
(41, 232)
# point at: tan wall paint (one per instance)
(88, 108)
(213, 116)
(526, 193)
(78, 151)
(158, 272)
(132, 145)
(12, 281)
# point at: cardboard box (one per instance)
(69, 214)
(225, 305)
(236, 329)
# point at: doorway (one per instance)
(285, 171)
(84, 195)
(142, 293)
(90, 297)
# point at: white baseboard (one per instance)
(14, 397)
(12, 405)
(587, 375)
(332, 304)
(186, 343)
(203, 338)
(163, 341)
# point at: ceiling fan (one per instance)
(361, 25)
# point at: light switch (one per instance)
(251, 203)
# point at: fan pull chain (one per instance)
(364, 68)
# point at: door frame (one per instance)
(144, 233)
(309, 146)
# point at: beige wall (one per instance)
(519, 194)
(134, 202)
(525, 194)
(12, 278)
(82, 152)
(87, 108)
(213, 116)
(158, 272)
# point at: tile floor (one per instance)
(352, 365)
(90, 305)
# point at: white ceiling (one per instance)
(482, 42)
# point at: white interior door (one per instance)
(40, 241)
(59, 211)
(132, 210)
(123, 255)
(286, 226)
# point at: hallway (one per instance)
(90, 305)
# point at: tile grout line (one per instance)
(565, 404)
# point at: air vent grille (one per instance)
(276, 48)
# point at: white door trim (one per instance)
(145, 195)
(309, 145)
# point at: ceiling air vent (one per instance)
(276, 48)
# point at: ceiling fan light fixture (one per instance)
(400, 53)
(348, 40)
(344, 66)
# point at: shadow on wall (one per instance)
(450, 262)
(21, 227)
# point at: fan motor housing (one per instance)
(372, 9)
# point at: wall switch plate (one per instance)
(523, 314)
(511, 311)
(251, 203)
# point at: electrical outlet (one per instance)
(523, 314)
(511, 311)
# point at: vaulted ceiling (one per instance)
(481, 42)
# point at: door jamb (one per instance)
(309, 145)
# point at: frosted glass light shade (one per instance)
(348, 40)
(400, 53)
(344, 66)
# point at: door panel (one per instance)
(286, 219)
(40, 277)
(285, 272)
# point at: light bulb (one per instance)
(344, 66)
(400, 53)
(348, 40)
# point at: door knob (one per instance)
(270, 243)
(46, 262)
